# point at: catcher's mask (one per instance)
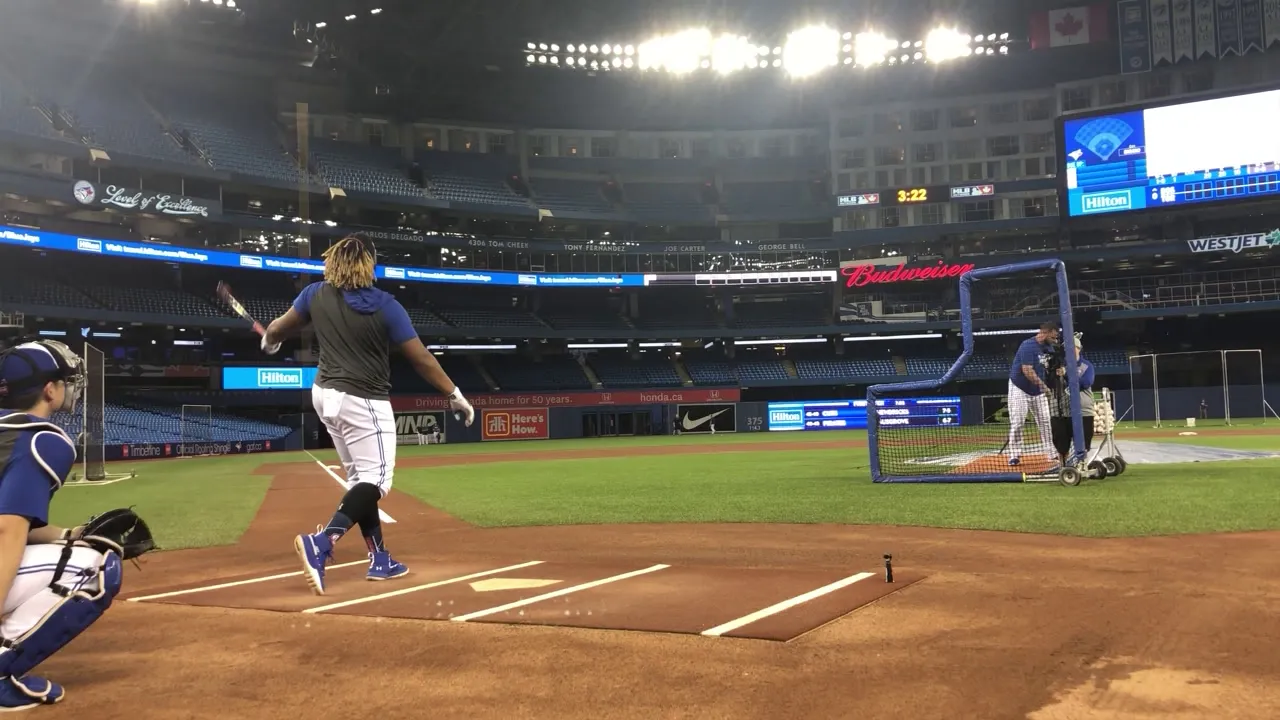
(28, 366)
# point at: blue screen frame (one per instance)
(1136, 200)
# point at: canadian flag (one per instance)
(1070, 26)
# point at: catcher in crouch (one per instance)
(356, 326)
(55, 582)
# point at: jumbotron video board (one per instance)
(1171, 154)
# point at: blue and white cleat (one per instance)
(315, 552)
(1014, 462)
(27, 692)
(383, 567)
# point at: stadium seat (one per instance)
(621, 373)
(143, 423)
(666, 203)
(237, 137)
(559, 195)
(471, 178)
(375, 170)
(551, 373)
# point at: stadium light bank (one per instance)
(805, 52)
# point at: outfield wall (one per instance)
(528, 422)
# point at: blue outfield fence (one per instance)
(879, 394)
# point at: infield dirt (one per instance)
(1002, 626)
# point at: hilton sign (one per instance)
(864, 275)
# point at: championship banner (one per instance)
(411, 427)
(1228, 21)
(1135, 36)
(1206, 31)
(495, 401)
(1271, 22)
(1252, 33)
(524, 424)
(143, 201)
(1184, 31)
(706, 419)
(1161, 32)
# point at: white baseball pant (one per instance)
(363, 433)
(30, 598)
(1019, 403)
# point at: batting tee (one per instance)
(974, 449)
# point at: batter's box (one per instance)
(715, 602)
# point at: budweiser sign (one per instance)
(142, 201)
(864, 275)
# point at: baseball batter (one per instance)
(54, 584)
(1027, 392)
(356, 325)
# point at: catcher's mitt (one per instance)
(122, 528)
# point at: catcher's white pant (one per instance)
(363, 432)
(1019, 403)
(30, 598)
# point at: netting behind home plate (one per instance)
(927, 431)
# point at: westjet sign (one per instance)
(1235, 243)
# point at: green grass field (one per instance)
(200, 502)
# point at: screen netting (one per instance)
(1213, 387)
(92, 437)
(196, 431)
(913, 441)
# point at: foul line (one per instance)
(784, 605)
(416, 588)
(382, 514)
(238, 583)
(557, 593)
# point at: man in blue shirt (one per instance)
(1027, 392)
(357, 326)
(53, 583)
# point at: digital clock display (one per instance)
(914, 195)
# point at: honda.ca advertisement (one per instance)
(522, 424)
(706, 418)
(419, 423)
(143, 201)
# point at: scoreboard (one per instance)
(917, 195)
(852, 414)
(1172, 154)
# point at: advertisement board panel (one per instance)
(522, 424)
(706, 419)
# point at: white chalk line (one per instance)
(557, 593)
(238, 583)
(382, 514)
(416, 588)
(785, 605)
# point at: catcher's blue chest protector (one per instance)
(30, 448)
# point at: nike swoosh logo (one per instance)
(694, 424)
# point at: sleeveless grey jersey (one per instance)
(354, 346)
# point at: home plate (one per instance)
(492, 584)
